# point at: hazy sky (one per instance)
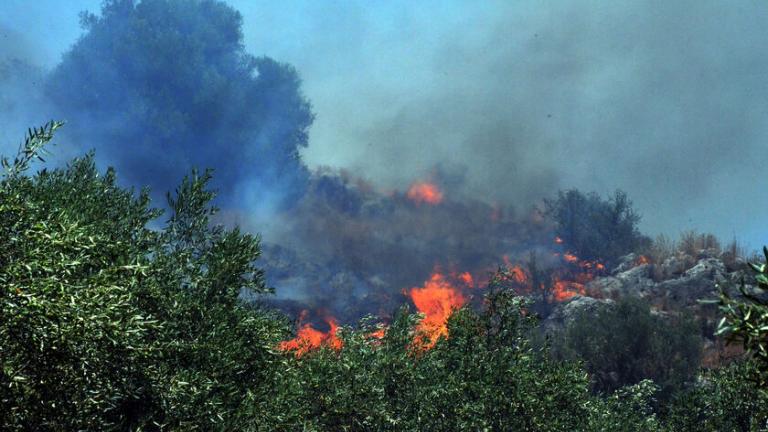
(667, 100)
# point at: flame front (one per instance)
(425, 192)
(436, 300)
(309, 338)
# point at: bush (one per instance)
(108, 325)
(626, 343)
(723, 400)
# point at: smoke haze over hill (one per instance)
(664, 100)
(498, 105)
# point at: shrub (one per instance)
(626, 343)
(745, 320)
(723, 400)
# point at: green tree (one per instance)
(163, 86)
(108, 325)
(71, 338)
(593, 228)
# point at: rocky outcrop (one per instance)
(697, 283)
(564, 313)
(684, 288)
(692, 280)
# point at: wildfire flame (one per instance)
(425, 192)
(442, 293)
(309, 338)
(467, 278)
(564, 290)
(378, 334)
(436, 300)
(571, 258)
(569, 284)
(518, 274)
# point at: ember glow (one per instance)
(425, 192)
(437, 299)
(309, 338)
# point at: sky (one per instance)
(665, 100)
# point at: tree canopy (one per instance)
(594, 228)
(163, 86)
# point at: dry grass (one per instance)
(734, 255)
(691, 243)
(661, 248)
(687, 251)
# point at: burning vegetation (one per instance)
(437, 300)
(433, 308)
(425, 192)
(443, 293)
(171, 340)
(308, 337)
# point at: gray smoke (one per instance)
(666, 100)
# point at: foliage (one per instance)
(626, 343)
(722, 400)
(163, 86)
(485, 376)
(628, 409)
(593, 228)
(745, 320)
(108, 325)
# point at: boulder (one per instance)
(565, 312)
(634, 281)
(625, 263)
(698, 282)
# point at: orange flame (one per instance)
(642, 259)
(377, 334)
(436, 300)
(467, 278)
(571, 258)
(309, 338)
(564, 290)
(425, 192)
(514, 271)
(558, 240)
(518, 274)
